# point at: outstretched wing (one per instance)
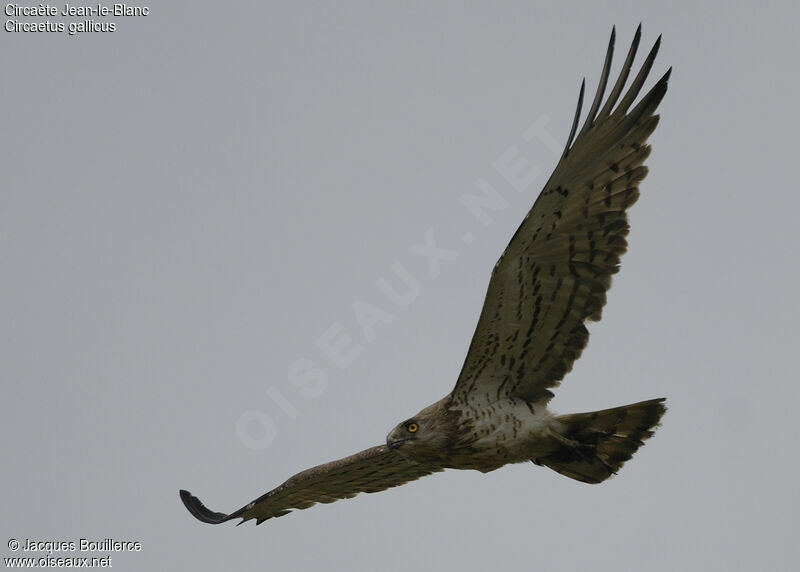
(369, 471)
(555, 272)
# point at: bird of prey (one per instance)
(551, 279)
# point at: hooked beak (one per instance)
(394, 443)
(395, 440)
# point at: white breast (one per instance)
(507, 431)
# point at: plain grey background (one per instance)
(190, 202)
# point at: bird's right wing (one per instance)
(369, 471)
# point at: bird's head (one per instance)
(409, 434)
(425, 436)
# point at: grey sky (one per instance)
(192, 201)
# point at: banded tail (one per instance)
(595, 445)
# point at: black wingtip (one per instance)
(637, 35)
(199, 510)
(575, 120)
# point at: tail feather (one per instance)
(594, 446)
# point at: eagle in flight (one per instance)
(551, 279)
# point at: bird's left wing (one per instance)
(555, 272)
(369, 471)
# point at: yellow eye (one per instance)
(412, 427)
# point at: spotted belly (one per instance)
(507, 431)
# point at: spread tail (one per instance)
(594, 446)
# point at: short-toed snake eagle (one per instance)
(551, 279)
